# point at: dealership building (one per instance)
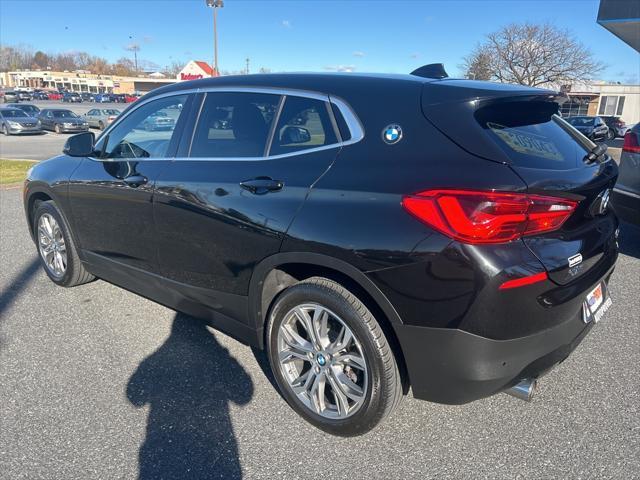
(84, 81)
(604, 99)
(80, 81)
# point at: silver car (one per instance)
(101, 117)
(15, 121)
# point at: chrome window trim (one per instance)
(351, 119)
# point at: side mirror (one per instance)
(80, 145)
(295, 135)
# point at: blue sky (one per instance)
(302, 35)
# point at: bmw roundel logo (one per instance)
(392, 134)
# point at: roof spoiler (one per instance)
(432, 70)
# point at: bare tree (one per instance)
(477, 65)
(174, 68)
(534, 55)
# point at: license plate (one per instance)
(596, 304)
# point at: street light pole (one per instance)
(215, 5)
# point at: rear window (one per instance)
(532, 135)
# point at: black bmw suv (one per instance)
(373, 233)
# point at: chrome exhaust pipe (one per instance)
(524, 390)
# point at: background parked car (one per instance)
(40, 95)
(626, 193)
(101, 117)
(11, 96)
(131, 98)
(24, 96)
(62, 121)
(72, 97)
(617, 127)
(103, 98)
(158, 121)
(54, 95)
(15, 121)
(27, 108)
(591, 127)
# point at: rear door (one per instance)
(522, 129)
(228, 203)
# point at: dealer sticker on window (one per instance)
(596, 304)
(526, 143)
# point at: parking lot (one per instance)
(100, 383)
(49, 144)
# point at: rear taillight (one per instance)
(111, 118)
(488, 217)
(631, 143)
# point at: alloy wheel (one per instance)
(51, 245)
(322, 361)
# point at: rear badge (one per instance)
(575, 260)
(392, 134)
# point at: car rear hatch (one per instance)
(519, 127)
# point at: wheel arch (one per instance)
(274, 274)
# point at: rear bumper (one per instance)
(453, 366)
(456, 367)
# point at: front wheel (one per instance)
(331, 359)
(57, 250)
(57, 129)
(611, 134)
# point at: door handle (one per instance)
(135, 180)
(262, 185)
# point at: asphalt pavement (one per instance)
(98, 383)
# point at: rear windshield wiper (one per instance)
(595, 153)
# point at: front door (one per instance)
(228, 204)
(111, 196)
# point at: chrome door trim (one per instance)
(351, 119)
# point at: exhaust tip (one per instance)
(525, 390)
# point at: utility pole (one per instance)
(134, 47)
(215, 5)
(247, 70)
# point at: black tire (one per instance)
(57, 128)
(611, 134)
(101, 125)
(5, 130)
(75, 273)
(384, 389)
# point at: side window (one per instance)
(234, 124)
(146, 132)
(304, 123)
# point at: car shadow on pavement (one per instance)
(629, 240)
(9, 294)
(188, 383)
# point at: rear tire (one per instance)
(67, 270)
(101, 125)
(57, 129)
(344, 381)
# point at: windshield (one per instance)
(580, 121)
(12, 113)
(64, 114)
